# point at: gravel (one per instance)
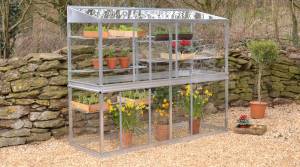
(280, 146)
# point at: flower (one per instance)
(173, 44)
(243, 117)
(185, 43)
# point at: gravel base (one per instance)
(280, 146)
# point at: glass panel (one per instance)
(144, 13)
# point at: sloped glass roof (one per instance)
(137, 14)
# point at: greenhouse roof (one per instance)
(86, 14)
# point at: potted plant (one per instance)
(243, 122)
(110, 57)
(161, 106)
(124, 30)
(263, 53)
(91, 31)
(200, 98)
(131, 114)
(161, 34)
(87, 103)
(124, 58)
(184, 34)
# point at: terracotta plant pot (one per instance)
(124, 62)
(94, 34)
(126, 138)
(95, 63)
(196, 126)
(257, 109)
(111, 62)
(162, 132)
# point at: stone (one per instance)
(47, 65)
(4, 102)
(246, 96)
(295, 89)
(14, 124)
(294, 70)
(38, 137)
(48, 73)
(58, 104)
(27, 123)
(277, 86)
(56, 123)
(16, 62)
(290, 82)
(233, 97)
(6, 68)
(240, 103)
(13, 112)
(29, 68)
(24, 101)
(288, 94)
(12, 141)
(278, 101)
(210, 108)
(15, 132)
(280, 67)
(11, 75)
(38, 57)
(4, 88)
(274, 93)
(27, 75)
(37, 130)
(42, 116)
(29, 94)
(53, 92)
(43, 102)
(93, 123)
(20, 85)
(238, 61)
(59, 132)
(79, 49)
(281, 74)
(63, 72)
(59, 80)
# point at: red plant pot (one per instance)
(95, 63)
(124, 62)
(161, 132)
(111, 62)
(126, 138)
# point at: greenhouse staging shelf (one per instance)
(156, 83)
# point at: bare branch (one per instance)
(22, 17)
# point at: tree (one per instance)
(60, 6)
(295, 36)
(13, 16)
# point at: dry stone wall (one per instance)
(33, 91)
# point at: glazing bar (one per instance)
(69, 51)
(191, 108)
(150, 51)
(226, 43)
(101, 122)
(134, 52)
(150, 117)
(192, 60)
(100, 53)
(176, 49)
(70, 114)
(170, 53)
(120, 121)
(170, 112)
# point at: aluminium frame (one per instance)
(75, 16)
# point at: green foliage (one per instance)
(109, 52)
(185, 30)
(93, 28)
(124, 52)
(91, 98)
(263, 52)
(135, 94)
(161, 30)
